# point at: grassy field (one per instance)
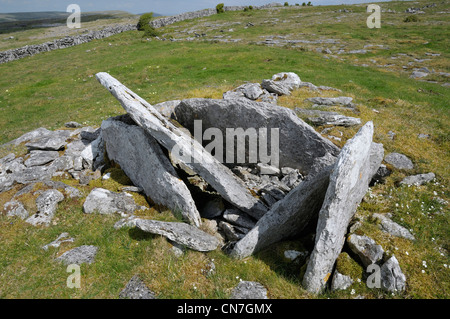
(52, 88)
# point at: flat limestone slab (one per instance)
(349, 182)
(190, 151)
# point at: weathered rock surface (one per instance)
(181, 233)
(399, 161)
(15, 208)
(136, 289)
(46, 204)
(186, 148)
(392, 277)
(366, 249)
(282, 83)
(238, 218)
(299, 144)
(287, 217)
(329, 101)
(337, 120)
(349, 182)
(143, 161)
(249, 290)
(250, 91)
(167, 108)
(51, 141)
(419, 179)
(79, 255)
(63, 238)
(392, 227)
(106, 202)
(340, 281)
(39, 158)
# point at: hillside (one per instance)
(396, 77)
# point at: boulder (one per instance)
(282, 83)
(181, 233)
(349, 182)
(392, 277)
(185, 148)
(143, 161)
(249, 290)
(299, 144)
(136, 289)
(399, 161)
(106, 202)
(46, 204)
(15, 208)
(340, 281)
(80, 255)
(51, 141)
(392, 228)
(250, 91)
(418, 180)
(366, 249)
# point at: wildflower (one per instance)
(353, 292)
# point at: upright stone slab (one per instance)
(299, 144)
(348, 184)
(143, 161)
(187, 149)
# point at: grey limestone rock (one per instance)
(399, 161)
(46, 204)
(79, 255)
(349, 182)
(249, 290)
(106, 202)
(136, 289)
(366, 249)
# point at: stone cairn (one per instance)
(240, 207)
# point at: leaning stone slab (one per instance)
(392, 277)
(287, 217)
(143, 161)
(399, 161)
(79, 255)
(106, 202)
(136, 289)
(181, 233)
(299, 144)
(366, 249)
(419, 179)
(349, 182)
(46, 204)
(187, 149)
(249, 290)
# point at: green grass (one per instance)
(52, 88)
